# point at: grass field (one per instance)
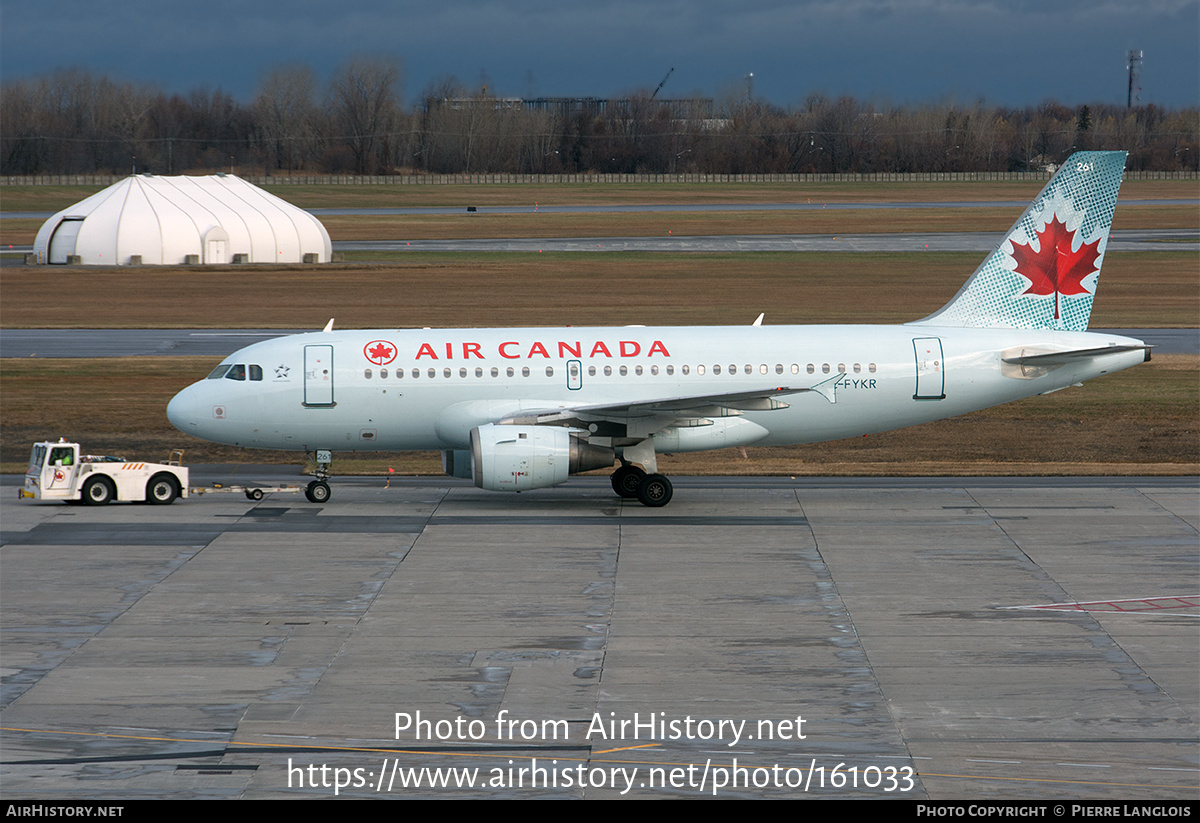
(533, 223)
(1160, 289)
(53, 198)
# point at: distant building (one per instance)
(169, 221)
(692, 107)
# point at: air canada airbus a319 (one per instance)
(519, 409)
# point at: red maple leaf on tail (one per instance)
(1056, 269)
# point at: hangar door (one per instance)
(216, 244)
(62, 242)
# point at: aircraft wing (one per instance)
(665, 410)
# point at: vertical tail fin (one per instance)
(1044, 273)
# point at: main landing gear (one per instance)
(630, 481)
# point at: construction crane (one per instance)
(663, 83)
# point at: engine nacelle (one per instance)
(516, 458)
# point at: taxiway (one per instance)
(940, 638)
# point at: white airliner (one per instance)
(520, 409)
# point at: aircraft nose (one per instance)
(183, 410)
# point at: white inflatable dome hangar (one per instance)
(171, 221)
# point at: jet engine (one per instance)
(516, 458)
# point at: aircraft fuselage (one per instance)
(398, 390)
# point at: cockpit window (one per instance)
(256, 372)
(218, 372)
(238, 372)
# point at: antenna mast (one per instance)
(1135, 62)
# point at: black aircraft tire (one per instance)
(318, 491)
(625, 481)
(655, 491)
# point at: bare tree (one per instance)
(285, 116)
(365, 106)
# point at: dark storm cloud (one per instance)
(904, 51)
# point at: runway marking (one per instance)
(1140, 605)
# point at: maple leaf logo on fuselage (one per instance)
(380, 352)
(1056, 269)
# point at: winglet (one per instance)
(328, 326)
(1043, 274)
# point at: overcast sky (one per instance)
(1002, 52)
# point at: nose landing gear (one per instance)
(318, 490)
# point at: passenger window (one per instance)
(462, 372)
(238, 372)
(637, 370)
(367, 373)
(478, 372)
(549, 371)
(524, 371)
(654, 369)
(495, 372)
(871, 368)
(841, 368)
(445, 372)
(857, 368)
(670, 369)
(416, 373)
(433, 372)
(608, 371)
(811, 368)
(716, 369)
(684, 369)
(509, 371)
(591, 371)
(824, 368)
(624, 370)
(700, 369)
(382, 374)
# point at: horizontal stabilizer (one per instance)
(1058, 358)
